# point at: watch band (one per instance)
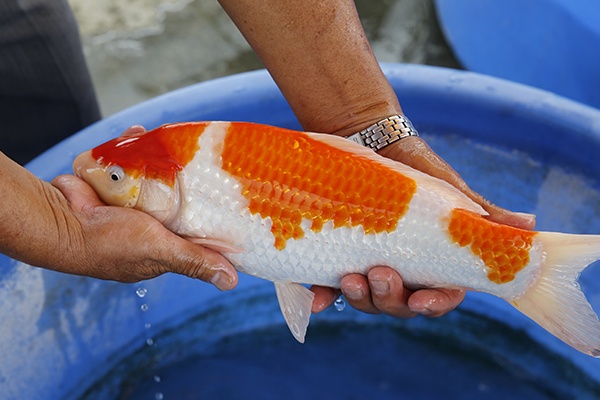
(384, 132)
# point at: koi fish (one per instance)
(301, 208)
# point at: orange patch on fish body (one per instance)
(289, 176)
(157, 154)
(503, 249)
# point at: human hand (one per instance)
(382, 290)
(127, 245)
(415, 152)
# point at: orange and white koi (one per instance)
(305, 208)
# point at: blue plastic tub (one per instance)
(71, 337)
(550, 44)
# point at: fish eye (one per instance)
(116, 173)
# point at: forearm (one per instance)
(30, 216)
(318, 54)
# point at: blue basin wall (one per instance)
(60, 333)
(549, 44)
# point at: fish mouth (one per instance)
(81, 163)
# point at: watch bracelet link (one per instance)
(384, 132)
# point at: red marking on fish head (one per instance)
(157, 154)
(117, 168)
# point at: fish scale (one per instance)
(304, 208)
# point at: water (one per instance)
(149, 341)
(141, 292)
(240, 348)
(340, 362)
(340, 303)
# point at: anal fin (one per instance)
(295, 302)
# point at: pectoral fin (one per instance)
(295, 302)
(216, 245)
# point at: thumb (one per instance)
(77, 192)
(199, 262)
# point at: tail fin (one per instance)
(556, 301)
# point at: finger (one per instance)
(358, 293)
(518, 220)
(134, 130)
(198, 262)
(388, 292)
(413, 151)
(324, 297)
(435, 302)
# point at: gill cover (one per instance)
(136, 190)
(158, 199)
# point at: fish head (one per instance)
(128, 171)
(110, 181)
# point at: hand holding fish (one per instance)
(414, 152)
(129, 246)
(64, 227)
(393, 299)
(382, 291)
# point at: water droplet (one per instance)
(159, 396)
(141, 292)
(340, 303)
(144, 307)
(156, 378)
(147, 325)
(150, 342)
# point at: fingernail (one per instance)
(221, 281)
(380, 288)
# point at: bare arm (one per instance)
(63, 226)
(318, 54)
(320, 58)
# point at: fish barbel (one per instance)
(305, 208)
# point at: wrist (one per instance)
(358, 118)
(400, 149)
(384, 132)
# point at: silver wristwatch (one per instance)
(384, 132)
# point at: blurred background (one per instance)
(138, 49)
